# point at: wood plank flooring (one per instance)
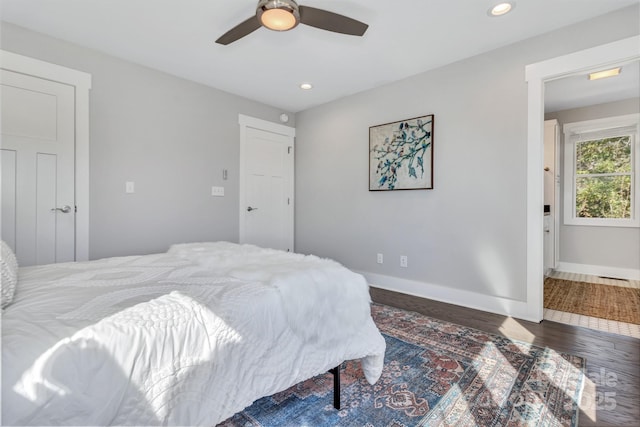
(612, 392)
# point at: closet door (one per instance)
(266, 184)
(37, 156)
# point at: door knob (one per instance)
(64, 209)
(249, 209)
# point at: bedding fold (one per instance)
(184, 338)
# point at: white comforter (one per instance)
(184, 338)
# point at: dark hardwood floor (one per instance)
(612, 392)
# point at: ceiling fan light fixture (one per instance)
(283, 15)
(278, 19)
(278, 15)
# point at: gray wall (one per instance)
(603, 246)
(469, 233)
(172, 137)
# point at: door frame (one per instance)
(556, 190)
(536, 75)
(556, 201)
(246, 122)
(81, 82)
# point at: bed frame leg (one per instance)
(336, 386)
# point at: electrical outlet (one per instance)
(380, 259)
(403, 261)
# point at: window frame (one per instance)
(599, 129)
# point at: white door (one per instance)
(266, 184)
(37, 156)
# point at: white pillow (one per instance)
(9, 270)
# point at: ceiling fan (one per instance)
(283, 15)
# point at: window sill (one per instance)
(596, 222)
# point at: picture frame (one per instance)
(401, 155)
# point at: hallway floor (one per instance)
(612, 326)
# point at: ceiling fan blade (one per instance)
(239, 31)
(330, 21)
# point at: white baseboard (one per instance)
(474, 300)
(599, 270)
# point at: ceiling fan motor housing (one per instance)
(289, 6)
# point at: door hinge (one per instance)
(289, 150)
(75, 209)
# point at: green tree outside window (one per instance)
(603, 178)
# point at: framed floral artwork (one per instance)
(401, 155)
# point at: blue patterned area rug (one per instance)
(436, 374)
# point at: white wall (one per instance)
(172, 137)
(614, 247)
(467, 236)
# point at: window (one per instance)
(602, 172)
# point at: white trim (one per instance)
(595, 125)
(554, 125)
(37, 68)
(82, 83)
(536, 75)
(628, 124)
(599, 270)
(557, 192)
(246, 122)
(477, 301)
(252, 122)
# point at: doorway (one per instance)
(596, 279)
(78, 83)
(537, 75)
(37, 169)
(266, 184)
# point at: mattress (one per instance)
(186, 337)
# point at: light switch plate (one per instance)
(217, 191)
(129, 187)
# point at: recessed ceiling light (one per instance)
(606, 73)
(501, 9)
(306, 86)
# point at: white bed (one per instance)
(188, 337)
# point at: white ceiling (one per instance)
(404, 38)
(578, 91)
